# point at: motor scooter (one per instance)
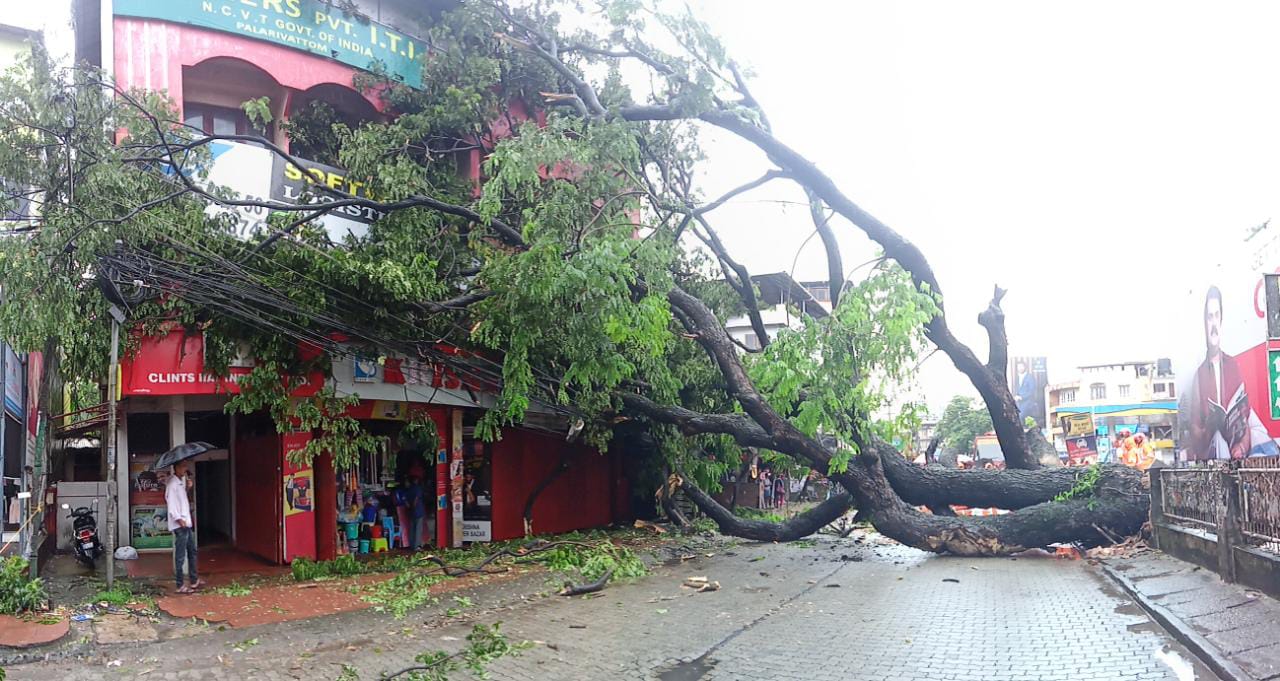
(84, 533)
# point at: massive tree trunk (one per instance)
(1117, 504)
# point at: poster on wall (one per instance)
(13, 375)
(298, 493)
(149, 527)
(1028, 377)
(1077, 425)
(1224, 405)
(146, 488)
(477, 500)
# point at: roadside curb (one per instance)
(1183, 632)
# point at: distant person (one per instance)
(417, 513)
(178, 507)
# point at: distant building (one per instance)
(786, 301)
(1138, 396)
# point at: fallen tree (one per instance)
(585, 273)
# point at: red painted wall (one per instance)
(326, 482)
(258, 496)
(150, 54)
(591, 493)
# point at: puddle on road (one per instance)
(1182, 667)
(694, 670)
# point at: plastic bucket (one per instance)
(364, 546)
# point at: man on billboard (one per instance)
(1223, 425)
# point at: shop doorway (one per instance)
(214, 508)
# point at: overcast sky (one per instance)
(1080, 154)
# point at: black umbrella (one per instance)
(181, 453)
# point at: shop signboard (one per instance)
(173, 364)
(1077, 425)
(254, 173)
(1080, 449)
(314, 26)
(477, 530)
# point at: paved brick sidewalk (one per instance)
(825, 612)
(1239, 626)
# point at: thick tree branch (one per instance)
(992, 319)
(835, 264)
(795, 527)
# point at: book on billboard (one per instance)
(1232, 423)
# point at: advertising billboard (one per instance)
(251, 172)
(1226, 396)
(1028, 377)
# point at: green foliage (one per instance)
(1086, 485)
(835, 374)
(316, 132)
(962, 423)
(758, 514)
(120, 594)
(705, 525)
(258, 111)
(233, 589)
(305, 569)
(402, 593)
(18, 593)
(593, 561)
(485, 645)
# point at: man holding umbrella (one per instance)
(179, 510)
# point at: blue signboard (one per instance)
(307, 25)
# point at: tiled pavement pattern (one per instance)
(826, 612)
(1242, 625)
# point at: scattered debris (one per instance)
(831, 586)
(851, 559)
(651, 527)
(701, 584)
(583, 626)
(953, 580)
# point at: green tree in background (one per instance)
(961, 424)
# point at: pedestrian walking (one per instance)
(178, 507)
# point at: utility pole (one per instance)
(113, 491)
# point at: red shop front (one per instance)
(249, 496)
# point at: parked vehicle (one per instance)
(84, 534)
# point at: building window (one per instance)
(821, 294)
(1098, 391)
(1067, 396)
(751, 341)
(218, 120)
(1172, 391)
(1124, 390)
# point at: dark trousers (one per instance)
(415, 533)
(184, 548)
